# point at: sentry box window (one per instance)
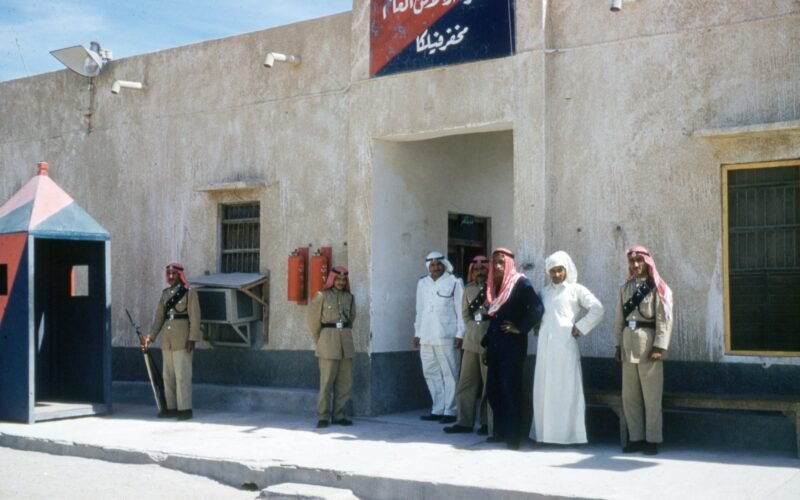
(79, 281)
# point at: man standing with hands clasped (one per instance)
(438, 333)
(643, 326)
(330, 322)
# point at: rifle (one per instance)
(153, 373)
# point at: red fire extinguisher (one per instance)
(296, 287)
(317, 272)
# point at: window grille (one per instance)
(240, 236)
(763, 258)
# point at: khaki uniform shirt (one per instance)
(474, 330)
(177, 331)
(331, 306)
(637, 343)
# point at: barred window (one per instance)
(762, 267)
(239, 235)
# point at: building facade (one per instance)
(675, 125)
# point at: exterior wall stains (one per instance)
(589, 139)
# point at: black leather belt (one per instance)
(178, 316)
(641, 324)
(344, 324)
(483, 317)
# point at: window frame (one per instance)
(221, 250)
(726, 168)
(80, 281)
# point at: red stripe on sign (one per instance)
(394, 24)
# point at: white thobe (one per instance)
(558, 403)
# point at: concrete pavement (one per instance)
(400, 457)
(38, 476)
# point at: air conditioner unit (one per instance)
(227, 305)
(229, 315)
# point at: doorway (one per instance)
(467, 236)
(71, 323)
(446, 194)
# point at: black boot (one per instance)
(650, 449)
(168, 413)
(633, 447)
(457, 429)
(185, 414)
(432, 417)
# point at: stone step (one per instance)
(233, 398)
(295, 491)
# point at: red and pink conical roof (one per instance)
(42, 209)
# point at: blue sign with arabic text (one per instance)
(407, 35)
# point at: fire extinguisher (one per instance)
(317, 272)
(297, 277)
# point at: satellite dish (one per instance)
(81, 60)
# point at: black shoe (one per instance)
(185, 414)
(168, 414)
(343, 421)
(495, 439)
(322, 424)
(457, 429)
(633, 447)
(650, 449)
(513, 445)
(432, 417)
(448, 419)
(484, 430)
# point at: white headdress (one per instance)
(448, 267)
(562, 258)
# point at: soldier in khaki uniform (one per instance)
(330, 320)
(643, 326)
(178, 319)
(472, 382)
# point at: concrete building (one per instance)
(601, 130)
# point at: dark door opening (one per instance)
(70, 316)
(467, 236)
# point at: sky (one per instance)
(30, 29)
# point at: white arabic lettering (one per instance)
(431, 42)
(416, 6)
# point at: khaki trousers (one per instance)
(177, 379)
(642, 389)
(471, 389)
(336, 375)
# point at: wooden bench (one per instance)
(789, 406)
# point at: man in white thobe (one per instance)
(438, 333)
(558, 403)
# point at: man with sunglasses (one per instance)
(472, 383)
(438, 333)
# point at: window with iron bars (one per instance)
(762, 265)
(240, 239)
